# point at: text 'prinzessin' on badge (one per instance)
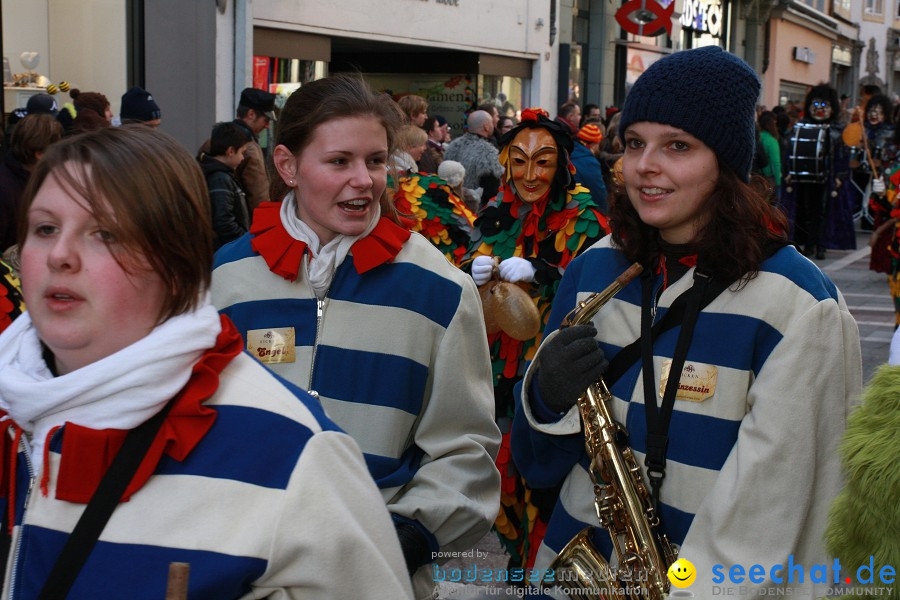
(697, 383)
(272, 346)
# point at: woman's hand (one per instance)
(570, 362)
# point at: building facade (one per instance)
(195, 57)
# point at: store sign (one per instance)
(450, 96)
(447, 2)
(704, 16)
(804, 54)
(646, 17)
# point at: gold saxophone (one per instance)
(621, 499)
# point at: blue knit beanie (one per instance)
(707, 92)
(138, 105)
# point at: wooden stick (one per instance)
(869, 155)
(177, 584)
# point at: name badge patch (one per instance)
(271, 346)
(697, 383)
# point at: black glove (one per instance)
(414, 546)
(570, 362)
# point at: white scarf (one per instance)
(120, 391)
(323, 260)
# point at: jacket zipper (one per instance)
(320, 314)
(26, 451)
(654, 300)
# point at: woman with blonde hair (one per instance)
(410, 147)
(415, 108)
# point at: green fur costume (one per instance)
(865, 517)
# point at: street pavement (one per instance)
(868, 298)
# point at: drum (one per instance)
(808, 152)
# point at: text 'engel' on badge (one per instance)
(271, 346)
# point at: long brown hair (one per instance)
(737, 238)
(334, 97)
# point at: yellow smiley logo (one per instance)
(682, 573)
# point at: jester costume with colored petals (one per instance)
(428, 205)
(548, 233)
(11, 303)
(885, 211)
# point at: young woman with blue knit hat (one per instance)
(742, 446)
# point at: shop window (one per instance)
(451, 95)
(507, 93)
(284, 75)
(791, 95)
(40, 39)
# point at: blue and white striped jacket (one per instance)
(272, 502)
(752, 469)
(399, 360)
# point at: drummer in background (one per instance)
(813, 192)
(872, 138)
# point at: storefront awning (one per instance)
(491, 64)
(291, 44)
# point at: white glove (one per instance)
(516, 269)
(878, 186)
(481, 269)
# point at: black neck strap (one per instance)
(659, 417)
(100, 508)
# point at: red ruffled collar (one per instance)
(284, 254)
(87, 453)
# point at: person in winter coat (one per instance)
(771, 144)
(230, 214)
(30, 139)
(122, 388)
(732, 405)
(334, 294)
(477, 154)
(588, 172)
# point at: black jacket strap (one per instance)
(100, 508)
(628, 355)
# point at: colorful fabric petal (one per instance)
(435, 211)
